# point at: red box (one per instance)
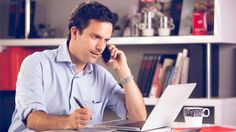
(4, 70)
(10, 62)
(199, 26)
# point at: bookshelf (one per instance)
(126, 42)
(223, 36)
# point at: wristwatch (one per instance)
(126, 80)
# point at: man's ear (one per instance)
(74, 32)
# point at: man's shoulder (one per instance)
(42, 54)
(40, 57)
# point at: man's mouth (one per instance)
(95, 53)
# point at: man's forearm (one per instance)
(39, 121)
(134, 100)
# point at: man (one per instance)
(48, 81)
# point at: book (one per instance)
(20, 22)
(165, 61)
(17, 19)
(177, 75)
(177, 69)
(147, 71)
(141, 73)
(33, 30)
(168, 77)
(185, 71)
(150, 76)
(155, 87)
(166, 64)
(13, 8)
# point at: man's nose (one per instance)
(100, 45)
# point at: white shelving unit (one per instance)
(224, 34)
(224, 23)
(124, 41)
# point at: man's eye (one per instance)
(95, 37)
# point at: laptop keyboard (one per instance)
(133, 124)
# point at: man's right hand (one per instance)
(80, 118)
(41, 121)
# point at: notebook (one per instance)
(162, 115)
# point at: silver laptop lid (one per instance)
(168, 106)
(162, 115)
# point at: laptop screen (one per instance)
(162, 115)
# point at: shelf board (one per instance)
(32, 42)
(198, 101)
(164, 40)
(118, 41)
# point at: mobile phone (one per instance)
(106, 55)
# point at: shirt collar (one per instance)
(63, 53)
(64, 56)
(88, 69)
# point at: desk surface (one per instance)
(85, 130)
(177, 127)
(106, 130)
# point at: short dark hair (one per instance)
(87, 11)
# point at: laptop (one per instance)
(163, 114)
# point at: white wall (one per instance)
(4, 7)
(57, 12)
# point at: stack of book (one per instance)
(159, 70)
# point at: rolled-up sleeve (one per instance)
(29, 92)
(116, 100)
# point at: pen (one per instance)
(78, 102)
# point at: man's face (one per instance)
(88, 46)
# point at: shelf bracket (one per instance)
(208, 53)
(27, 18)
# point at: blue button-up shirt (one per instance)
(48, 81)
